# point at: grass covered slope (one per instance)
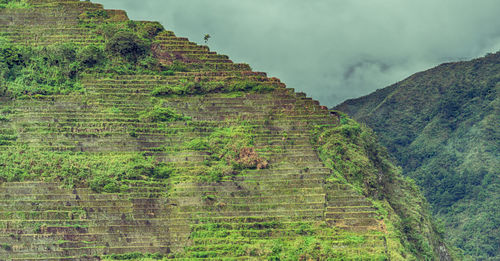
(122, 141)
(356, 158)
(442, 126)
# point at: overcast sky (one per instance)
(332, 49)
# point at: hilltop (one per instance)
(442, 127)
(120, 140)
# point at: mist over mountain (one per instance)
(332, 50)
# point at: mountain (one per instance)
(121, 141)
(443, 127)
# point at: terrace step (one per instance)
(46, 221)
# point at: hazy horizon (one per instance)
(332, 50)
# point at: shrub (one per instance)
(162, 171)
(261, 88)
(206, 87)
(35, 71)
(217, 172)
(39, 71)
(107, 30)
(148, 62)
(13, 4)
(198, 144)
(138, 169)
(4, 118)
(104, 183)
(62, 54)
(151, 29)
(160, 114)
(12, 56)
(112, 187)
(3, 88)
(98, 14)
(165, 90)
(177, 66)
(91, 56)
(249, 86)
(127, 45)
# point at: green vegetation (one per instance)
(128, 45)
(301, 241)
(229, 150)
(101, 172)
(14, 4)
(98, 14)
(7, 136)
(441, 125)
(31, 72)
(108, 144)
(27, 71)
(355, 157)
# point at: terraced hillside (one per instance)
(173, 151)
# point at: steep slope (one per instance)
(120, 140)
(442, 126)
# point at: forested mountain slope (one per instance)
(443, 127)
(120, 140)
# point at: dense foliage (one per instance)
(442, 127)
(13, 4)
(101, 172)
(27, 71)
(304, 241)
(127, 45)
(355, 157)
(57, 69)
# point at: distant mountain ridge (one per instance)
(442, 126)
